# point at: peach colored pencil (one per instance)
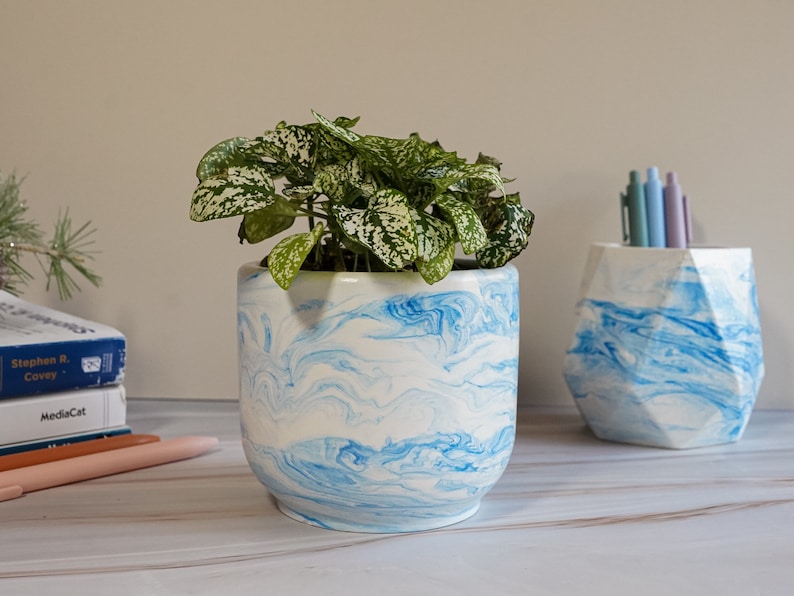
(44, 455)
(95, 465)
(10, 492)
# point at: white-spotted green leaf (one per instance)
(330, 148)
(286, 151)
(460, 177)
(341, 182)
(333, 181)
(338, 131)
(471, 233)
(432, 235)
(287, 257)
(439, 267)
(289, 143)
(385, 227)
(494, 161)
(403, 156)
(400, 158)
(222, 156)
(435, 246)
(266, 223)
(509, 236)
(298, 193)
(241, 190)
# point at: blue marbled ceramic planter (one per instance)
(667, 348)
(374, 402)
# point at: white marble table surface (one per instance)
(571, 515)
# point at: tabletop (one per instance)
(571, 515)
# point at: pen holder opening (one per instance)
(667, 347)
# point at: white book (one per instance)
(48, 415)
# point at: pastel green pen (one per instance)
(634, 202)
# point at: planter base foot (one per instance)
(379, 524)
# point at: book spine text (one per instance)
(61, 366)
(39, 417)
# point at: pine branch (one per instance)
(68, 250)
(68, 247)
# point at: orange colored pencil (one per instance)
(41, 456)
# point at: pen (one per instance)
(654, 202)
(676, 209)
(40, 456)
(94, 465)
(687, 219)
(634, 202)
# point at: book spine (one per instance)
(63, 440)
(43, 416)
(61, 366)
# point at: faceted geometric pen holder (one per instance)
(667, 349)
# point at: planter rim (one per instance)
(251, 267)
(667, 250)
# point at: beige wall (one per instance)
(107, 106)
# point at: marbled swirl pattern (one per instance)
(376, 402)
(667, 350)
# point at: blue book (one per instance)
(43, 350)
(64, 440)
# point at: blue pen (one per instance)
(634, 202)
(654, 203)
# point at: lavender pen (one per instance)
(676, 215)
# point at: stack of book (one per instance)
(60, 378)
